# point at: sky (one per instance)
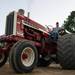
(45, 12)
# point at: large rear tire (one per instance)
(24, 57)
(66, 51)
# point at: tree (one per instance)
(69, 24)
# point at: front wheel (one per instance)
(3, 59)
(24, 57)
(3, 54)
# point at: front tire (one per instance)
(25, 57)
(3, 59)
(3, 54)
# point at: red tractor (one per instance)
(27, 44)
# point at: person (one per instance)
(20, 26)
(21, 12)
(55, 32)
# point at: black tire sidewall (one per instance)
(66, 51)
(18, 52)
(5, 59)
(11, 58)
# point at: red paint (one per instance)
(34, 35)
(24, 56)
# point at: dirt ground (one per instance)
(53, 69)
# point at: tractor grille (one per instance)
(9, 24)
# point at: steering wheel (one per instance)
(49, 28)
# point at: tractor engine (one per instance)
(22, 26)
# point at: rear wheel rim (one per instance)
(27, 56)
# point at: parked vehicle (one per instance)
(28, 44)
